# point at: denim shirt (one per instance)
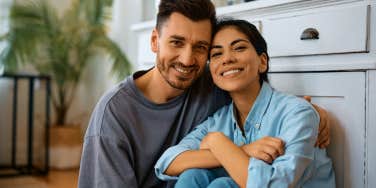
(273, 114)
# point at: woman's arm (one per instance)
(266, 149)
(176, 159)
(202, 158)
(299, 131)
(229, 155)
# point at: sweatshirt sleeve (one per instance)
(106, 159)
(105, 163)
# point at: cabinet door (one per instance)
(371, 129)
(342, 94)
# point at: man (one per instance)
(151, 110)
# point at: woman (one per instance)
(264, 138)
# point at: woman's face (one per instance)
(234, 63)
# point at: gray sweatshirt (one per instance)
(127, 133)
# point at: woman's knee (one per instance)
(223, 182)
(194, 178)
(195, 173)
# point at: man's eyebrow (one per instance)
(203, 43)
(177, 37)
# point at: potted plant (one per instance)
(60, 46)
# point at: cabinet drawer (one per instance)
(340, 30)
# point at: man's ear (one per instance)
(154, 40)
(263, 63)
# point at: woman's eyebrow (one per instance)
(237, 41)
(232, 43)
(216, 46)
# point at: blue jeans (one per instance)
(211, 178)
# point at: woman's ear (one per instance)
(263, 66)
(154, 40)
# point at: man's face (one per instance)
(182, 47)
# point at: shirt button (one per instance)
(257, 125)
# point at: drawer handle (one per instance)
(310, 34)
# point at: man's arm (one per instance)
(105, 163)
(107, 158)
(323, 139)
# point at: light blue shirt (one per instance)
(273, 114)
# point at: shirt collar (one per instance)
(258, 110)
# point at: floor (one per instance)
(55, 179)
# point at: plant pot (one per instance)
(65, 147)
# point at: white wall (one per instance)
(126, 13)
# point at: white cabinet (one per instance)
(342, 94)
(338, 70)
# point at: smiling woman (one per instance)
(264, 137)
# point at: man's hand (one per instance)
(266, 149)
(323, 139)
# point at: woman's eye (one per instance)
(240, 48)
(215, 54)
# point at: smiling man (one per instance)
(151, 110)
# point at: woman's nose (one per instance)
(228, 58)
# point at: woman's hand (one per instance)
(266, 149)
(205, 142)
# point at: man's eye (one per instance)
(202, 48)
(176, 43)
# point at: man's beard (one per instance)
(181, 84)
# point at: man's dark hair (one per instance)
(196, 10)
(254, 37)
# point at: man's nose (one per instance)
(187, 57)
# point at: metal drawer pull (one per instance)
(310, 34)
